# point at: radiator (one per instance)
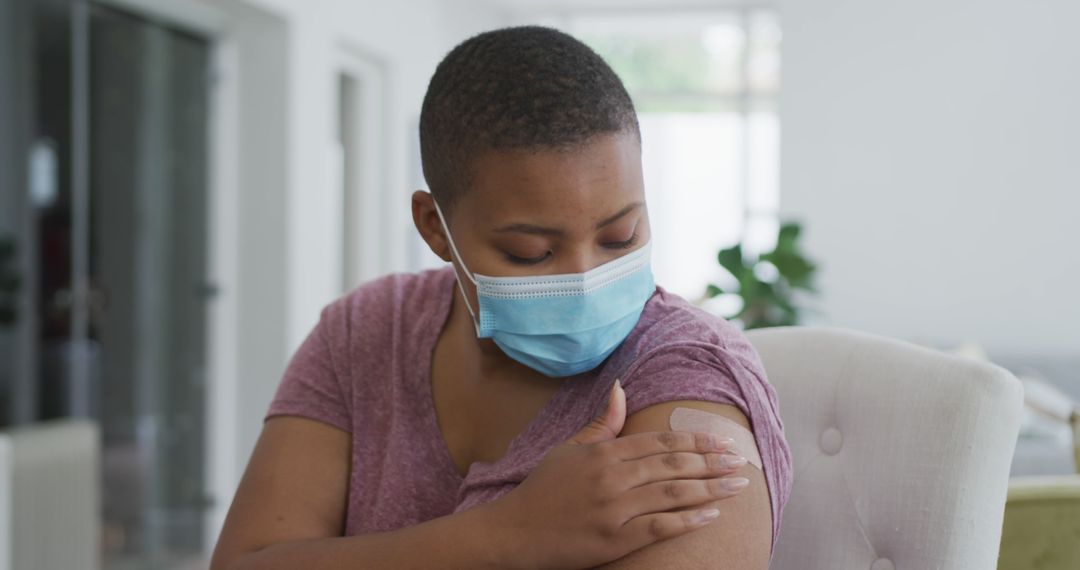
(50, 497)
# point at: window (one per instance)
(705, 88)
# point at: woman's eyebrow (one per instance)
(541, 230)
(530, 229)
(621, 213)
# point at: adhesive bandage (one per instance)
(690, 419)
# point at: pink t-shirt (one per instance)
(365, 368)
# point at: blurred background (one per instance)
(184, 184)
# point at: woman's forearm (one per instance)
(470, 539)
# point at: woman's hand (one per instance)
(596, 498)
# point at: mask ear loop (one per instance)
(453, 248)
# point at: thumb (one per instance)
(609, 423)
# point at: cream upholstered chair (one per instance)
(901, 453)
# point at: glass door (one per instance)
(111, 230)
(148, 107)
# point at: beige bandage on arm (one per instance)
(690, 419)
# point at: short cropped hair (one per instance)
(520, 88)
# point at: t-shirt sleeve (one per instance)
(311, 387)
(724, 374)
(682, 371)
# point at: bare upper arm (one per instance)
(739, 539)
(295, 487)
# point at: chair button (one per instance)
(882, 564)
(831, 441)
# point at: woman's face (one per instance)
(545, 212)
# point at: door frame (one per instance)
(362, 243)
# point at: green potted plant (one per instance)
(767, 285)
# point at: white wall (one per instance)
(933, 151)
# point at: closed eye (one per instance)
(623, 244)
(527, 260)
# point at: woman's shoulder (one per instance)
(668, 320)
(680, 351)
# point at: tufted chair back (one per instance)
(901, 453)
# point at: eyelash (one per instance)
(526, 261)
(533, 261)
(623, 244)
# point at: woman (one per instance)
(517, 407)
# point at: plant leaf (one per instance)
(788, 236)
(732, 260)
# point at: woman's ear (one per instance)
(426, 220)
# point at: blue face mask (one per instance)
(561, 325)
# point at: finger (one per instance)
(673, 465)
(608, 424)
(644, 530)
(639, 445)
(667, 495)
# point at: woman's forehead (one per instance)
(592, 180)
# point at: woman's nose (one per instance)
(579, 261)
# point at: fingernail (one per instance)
(728, 461)
(618, 385)
(707, 515)
(734, 483)
(723, 442)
